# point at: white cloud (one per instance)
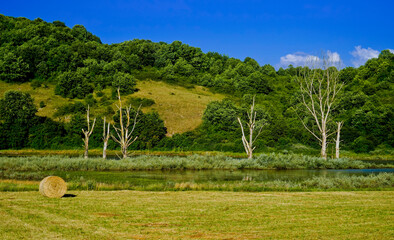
(391, 50)
(333, 57)
(296, 59)
(303, 59)
(361, 55)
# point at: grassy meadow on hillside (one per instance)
(198, 215)
(47, 95)
(181, 108)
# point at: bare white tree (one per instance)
(106, 136)
(319, 87)
(87, 133)
(248, 144)
(124, 133)
(338, 140)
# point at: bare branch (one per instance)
(248, 145)
(244, 142)
(319, 89)
(88, 132)
(106, 136)
(125, 138)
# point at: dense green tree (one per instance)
(181, 67)
(17, 106)
(74, 84)
(17, 112)
(253, 63)
(13, 68)
(150, 131)
(80, 32)
(59, 58)
(124, 82)
(46, 133)
(221, 116)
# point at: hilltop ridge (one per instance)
(69, 68)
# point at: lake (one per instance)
(149, 177)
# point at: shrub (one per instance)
(99, 94)
(72, 108)
(362, 145)
(35, 84)
(89, 100)
(144, 102)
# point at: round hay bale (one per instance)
(53, 187)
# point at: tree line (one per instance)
(79, 64)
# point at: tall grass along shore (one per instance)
(24, 173)
(194, 162)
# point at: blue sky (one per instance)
(277, 33)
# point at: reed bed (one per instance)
(194, 162)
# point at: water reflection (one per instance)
(144, 177)
(255, 175)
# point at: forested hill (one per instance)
(53, 52)
(81, 67)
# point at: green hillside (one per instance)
(190, 99)
(180, 108)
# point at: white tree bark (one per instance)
(106, 136)
(87, 133)
(248, 145)
(124, 134)
(338, 140)
(319, 89)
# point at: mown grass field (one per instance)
(198, 215)
(180, 108)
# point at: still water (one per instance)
(143, 177)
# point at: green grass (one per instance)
(369, 156)
(181, 108)
(96, 153)
(198, 215)
(296, 149)
(194, 162)
(47, 95)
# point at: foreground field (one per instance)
(198, 215)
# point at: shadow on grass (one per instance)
(69, 195)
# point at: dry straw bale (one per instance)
(53, 187)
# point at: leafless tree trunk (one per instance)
(248, 144)
(338, 140)
(319, 89)
(106, 136)
(124, 134)
(88, 132)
